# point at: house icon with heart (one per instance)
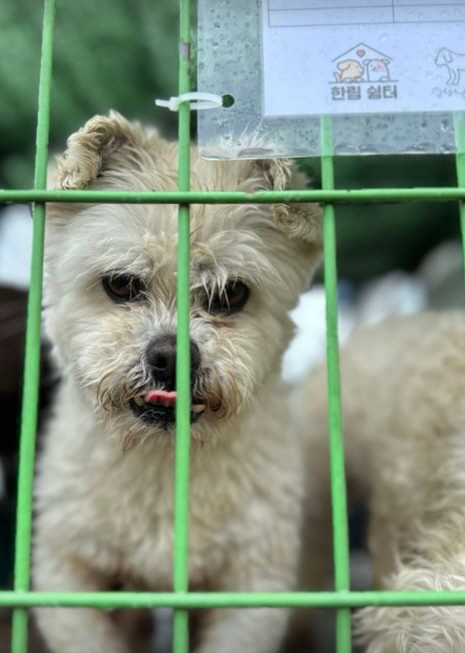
(361, 63)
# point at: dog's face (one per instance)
(112, 274)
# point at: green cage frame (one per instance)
(342, 599)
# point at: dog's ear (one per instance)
(99, 156)
(343, 65)
(90, 150)
(299, 221)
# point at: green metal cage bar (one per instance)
(375, 195)
(181, 508)
(194, 600)
(32, 352)
(21, 598)
(337, 460)
(459, 128)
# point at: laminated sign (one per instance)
(390, 74)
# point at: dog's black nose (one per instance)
(161, 357)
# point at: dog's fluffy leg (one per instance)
(74, 629)
(267, 562)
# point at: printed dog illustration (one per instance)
(455, 63)
(377, 70)
(350, 71)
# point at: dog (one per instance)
(377, 70)
(455, 63)
(350, 70)
(404, 424)
(105, 479)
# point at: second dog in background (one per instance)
(403, 392)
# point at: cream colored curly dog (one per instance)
(104, 499)
(403, 387)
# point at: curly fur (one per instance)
(104, 497)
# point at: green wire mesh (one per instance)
(21, 598)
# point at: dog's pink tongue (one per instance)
(161, 397)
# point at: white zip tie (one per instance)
(199, 101)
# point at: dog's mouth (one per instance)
(158, 408)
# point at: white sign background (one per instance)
(362, 56)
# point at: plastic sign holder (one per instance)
(390, 75)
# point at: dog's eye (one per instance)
(123, 287)
(231, 300)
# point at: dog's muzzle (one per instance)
(158, 407)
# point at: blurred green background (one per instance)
(118, 54)
(121, 54)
